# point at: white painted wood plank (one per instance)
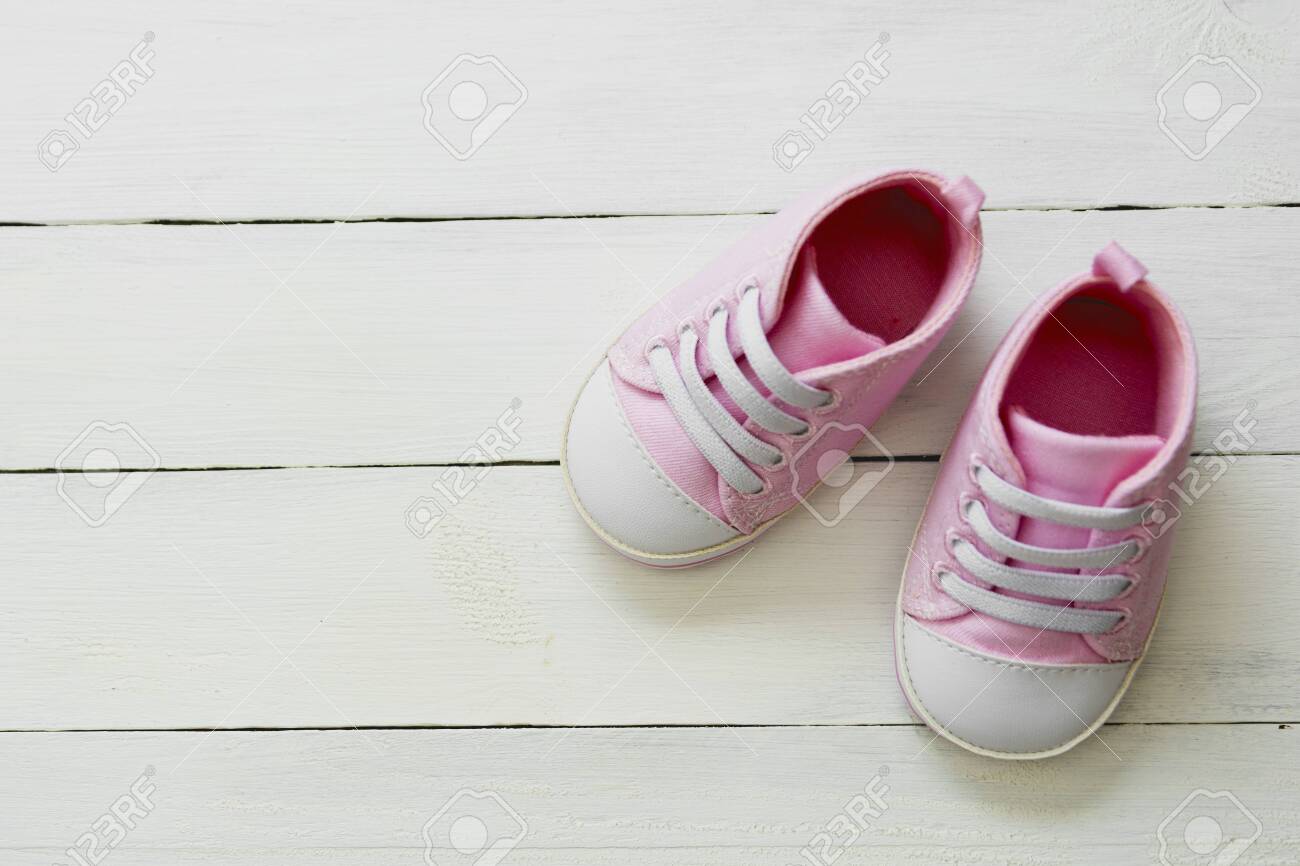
(692, 796)
(512, 612)
(401, 343)
(662, 107)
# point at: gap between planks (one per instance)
(634, 726)
(902, 458)
(407, 218)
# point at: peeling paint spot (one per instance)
(482, 583)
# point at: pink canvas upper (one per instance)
(1090, 399)
(857, 285)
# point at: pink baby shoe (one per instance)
(733, 396)
(1034, 581)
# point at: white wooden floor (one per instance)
(255, 657)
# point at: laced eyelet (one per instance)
(1124, 616)
(713, 310)
(775, 467)
(802, 434)
(652, 344)
(964, 503)
(687, 327)
(950, 541)
(750, 284)
(835, 399)
(1133, 581)
(972, 470)
(937, 575)
(761, 491)
(1142, 547)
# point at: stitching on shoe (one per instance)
(1032, 669)
(663, 479)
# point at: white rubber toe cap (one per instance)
(1000, 708)
(624, 495)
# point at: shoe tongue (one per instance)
(1071, 467)
(811, 331)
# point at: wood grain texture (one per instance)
(175, 613)
(401, 343)
(298, 598)
(655, 796)
(315, 110)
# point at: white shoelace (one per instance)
(1045, 584)
(720, 437)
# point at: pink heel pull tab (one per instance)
(966, 198)
(1119, 265)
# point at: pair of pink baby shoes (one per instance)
(1032, 586)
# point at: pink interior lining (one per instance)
(1094, 367)
(884, 257)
